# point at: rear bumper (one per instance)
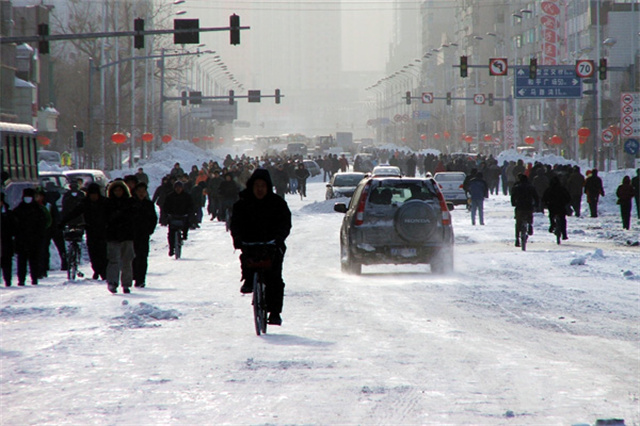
(396, 255)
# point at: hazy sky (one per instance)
(366, 24)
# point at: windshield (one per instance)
(398, 192)
(450, 177)
(347, 180)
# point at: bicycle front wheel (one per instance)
(177, 239)
(259, 312)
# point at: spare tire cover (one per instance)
(417, 220)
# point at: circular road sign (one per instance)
(631, 146)
(498, 66)
(427, 97)
(607, 136)
(478, 99)
(585, 68)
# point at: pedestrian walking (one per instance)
(593, 189)
(556, 198)
(625, 195)
(575, 186)
(145, 220)
(31, 225)
(7, 233)
(478, 191)
(120, 236)
(635, 183)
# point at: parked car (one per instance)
(451, 185)
(396, 220)
(56, 181)
(343, 184)
(386, 170)
(313, 167)
(52, 158)
(88, 176)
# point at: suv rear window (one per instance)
(449, 177)
(398, 192)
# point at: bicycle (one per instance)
(258, 257)
(74, 254)
(177, 224)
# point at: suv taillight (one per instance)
(446, 216)
(359, 219)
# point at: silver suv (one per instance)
(396, 220)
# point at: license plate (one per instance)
(404, 252)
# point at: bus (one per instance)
(19, 157)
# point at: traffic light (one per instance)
(490, 99)
(43, 45)
(138, 39)
(408, 98)
(533, 68)
(464, 68)
(184, 98)
(254, 96)
(79, 139)
(234, 34)
(195, 97)
(231, 94)
(277, 96)
(448, 98)
(190, 37)
(602, 69)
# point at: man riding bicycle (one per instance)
(260, 216)
(524, 198)
(178, 204)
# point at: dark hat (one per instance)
(178, 183)
(141, 185)
(93, 188)
(28, 192)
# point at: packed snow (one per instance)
(546, 336)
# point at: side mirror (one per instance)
(328, 185)
(450, 206)
(340, 207)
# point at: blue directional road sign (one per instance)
(552, 82)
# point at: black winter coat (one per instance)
(95, 216)
(145, 218)
(178, 204)
(31, 225)
(7, 231)
(556, 198)
(524, 196)
(119, 213)
(263, 220)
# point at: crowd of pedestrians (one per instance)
(118, 224)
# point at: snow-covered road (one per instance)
(511, 337)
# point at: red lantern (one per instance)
(118, 138)
(529, 140)
(166, 138)
(468, 139)
(423, 137)
(436, 136)
(447, 135)
(615, 129)
(556, 140)
(195, 140)
(584, 132)
(43, 140)
(582, 140)
(147, 137)
(487, 137)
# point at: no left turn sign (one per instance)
(498, 66)
(427, 97)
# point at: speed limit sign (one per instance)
(585, 68)
(478, 99)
